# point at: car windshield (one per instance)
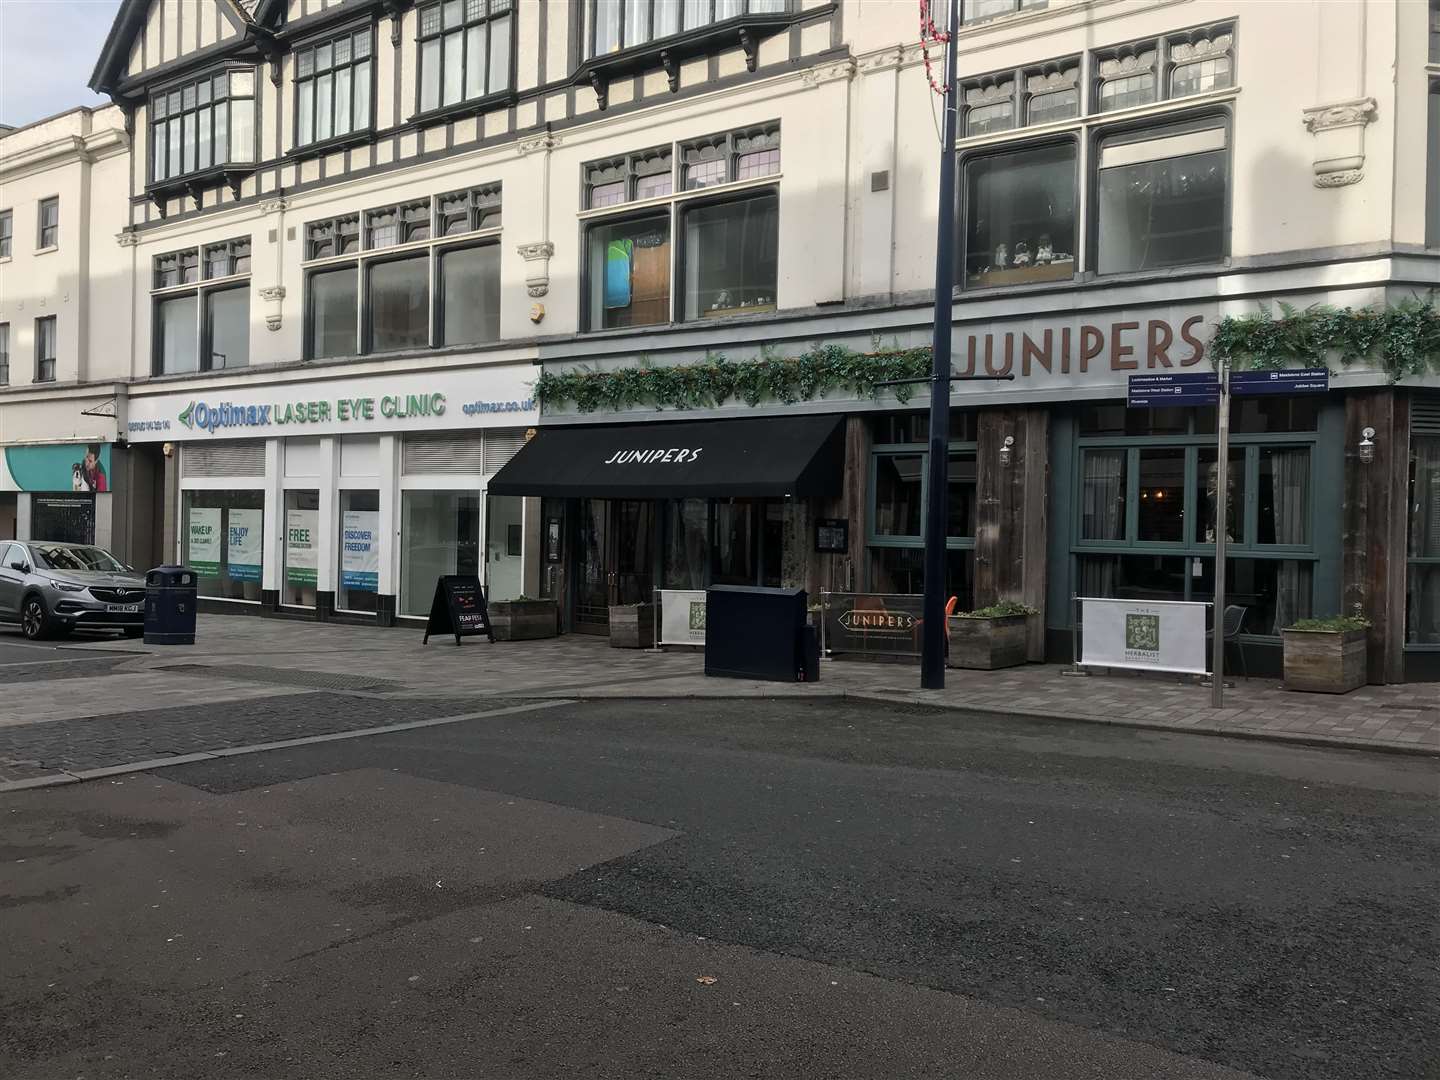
(58, 557)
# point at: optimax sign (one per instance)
(497, 394)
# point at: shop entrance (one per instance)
(615, 564)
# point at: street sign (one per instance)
(1303, 381)
(1158, 391)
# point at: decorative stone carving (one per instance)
(127, 238)
(273, 206)
(537, 266)
(273, 297)
(540, 142)
(1339, 130)
(824, 73)
(995, 93)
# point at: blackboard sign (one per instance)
(832, 536)
(459, 608)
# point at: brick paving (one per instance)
(237, 685)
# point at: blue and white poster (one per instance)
(360, 550)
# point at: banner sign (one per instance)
(682, 617)
(245, 544)
(438, 400)
(65, 467)
(203, 535)
(877, 624)
(1301, 381)
(301, 529)
(1160, 391)
(1153, 635)
(360, 550)
(458, 608)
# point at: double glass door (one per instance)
(616, 559)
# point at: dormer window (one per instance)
(202, 124)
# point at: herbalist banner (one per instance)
(1145, 635)
(682, 617)
(246, 544)
(302, 528)
(203, 536)
(360, 550)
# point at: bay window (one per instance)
(203, 124)
(401, 276)
(464, 51)
(332, 87)
(1161, 196)
(201, 299)
(613, 25)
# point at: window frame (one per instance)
(466, 23)
(706, 197)
(674, 206)
(50, 202)
(4, 354)
(201, 287)
(1432, 162)
(480, 197)
(1412, 560)
(1157, 127)
(53, 322)
(215, 168)
(7, 233)
(356, 133)
(591, 24)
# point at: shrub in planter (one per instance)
(1326, 656)
(991, 637)
(523, 619)
(632, 626)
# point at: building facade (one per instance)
(355, 235)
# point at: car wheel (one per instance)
(34, 619)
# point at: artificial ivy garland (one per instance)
(1404, 339)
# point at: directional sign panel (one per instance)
(1190, 388)
(1303, 381)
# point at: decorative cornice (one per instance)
(274, 206)
(273, 292)
(1356, 112)
(542, 249)
(126, 238)
(542, 142)
(826, 73)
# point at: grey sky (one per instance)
(47, 50)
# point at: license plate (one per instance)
(123, 609)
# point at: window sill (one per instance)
(463, 109)
(42, 251)
(329, 146)
(745, 31)
(4, 259)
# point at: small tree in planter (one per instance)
(523, 619)
(1326, 656)
(990, 637)
(632, 626)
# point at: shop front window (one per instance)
(1207, 496)
(1273, 592)
(686, 531)
(359, 551)
(1162, 495)
(1020, 216)
(730, 257)
(1103, 495)
(898, 494)
(223, 541)
(902, 570)
(1284, 495)
(505, 546)
(1422, 609)
(439, 534)
(734, 558)
(302, 536)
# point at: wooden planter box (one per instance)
(987, 644)
(523, 620)
(632, 626)
(1324, 661)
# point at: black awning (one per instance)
(790, 455)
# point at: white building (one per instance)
(359, 231)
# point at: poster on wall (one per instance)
(246, 544)
(682, 617)
(68, 467)
(202, 533)
(301, 528)
(360, 550)
(1146, 635)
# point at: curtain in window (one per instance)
(1291, 471)
(1423, 611)
(1103, 495)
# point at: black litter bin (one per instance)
(170, 601)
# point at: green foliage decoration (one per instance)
(716, 379)
(1335, 624)
(1402, 339)
(1004, 609)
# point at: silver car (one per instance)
(51, 589)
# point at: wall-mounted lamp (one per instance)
(1367, 445)
(1007, 451)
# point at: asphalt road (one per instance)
(16, 651)
(731, 889)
